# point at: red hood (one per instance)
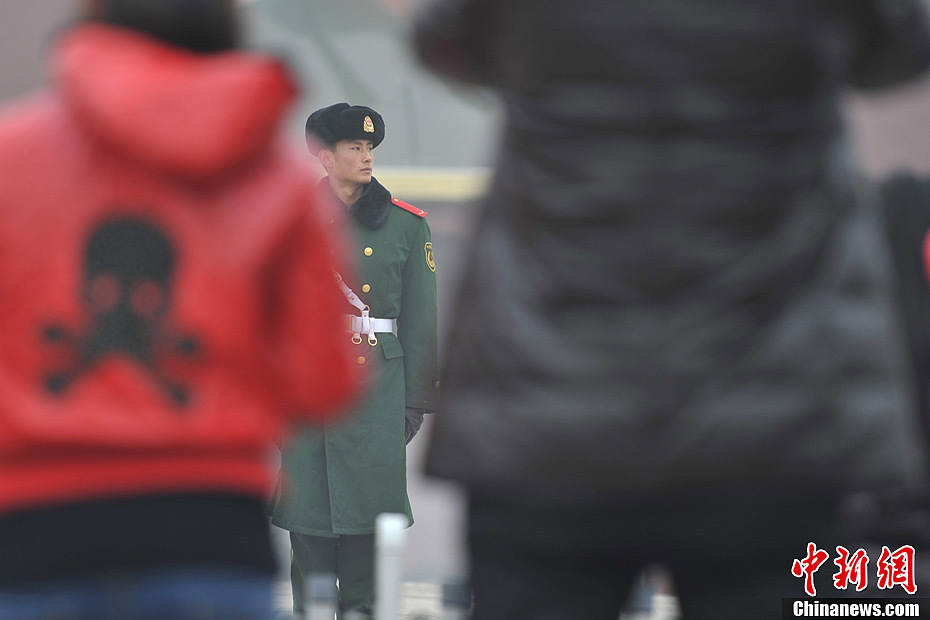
(190, 114)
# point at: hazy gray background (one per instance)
(356, 50)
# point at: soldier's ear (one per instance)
(326, 158)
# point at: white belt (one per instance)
(358, 325)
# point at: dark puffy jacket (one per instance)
(677, 282)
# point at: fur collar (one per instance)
(373, 207)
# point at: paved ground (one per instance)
(423, 601)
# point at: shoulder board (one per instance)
(408, 207)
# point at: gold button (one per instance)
(369, 251)
(366, 288)
(360, 360)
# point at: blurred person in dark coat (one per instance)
(168, 305)
(675, 340)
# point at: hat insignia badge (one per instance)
(368, 126)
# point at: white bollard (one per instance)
(321, 597)
(390, 536)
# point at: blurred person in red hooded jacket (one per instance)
(168, 304)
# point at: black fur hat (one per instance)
(342, 121)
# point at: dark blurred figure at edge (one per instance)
(675, 340)
(898, 516)
(168, 304)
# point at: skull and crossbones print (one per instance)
(126, 294)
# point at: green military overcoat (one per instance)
(336, 480)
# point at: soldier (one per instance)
(335, 481)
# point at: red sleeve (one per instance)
(319, 377)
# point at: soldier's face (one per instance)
(352, 161)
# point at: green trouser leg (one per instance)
(350, 558)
